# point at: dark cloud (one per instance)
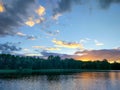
(106, 3)
(9, 48)
(52, 33)
(63, 56)
(31, 37)
(110, 54)
(17, 12)
(65, 6)
(14, 15)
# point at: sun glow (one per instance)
(2, 9)
(88, 59)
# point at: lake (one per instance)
(78, 81)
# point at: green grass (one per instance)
(30, 71)
(26, 72)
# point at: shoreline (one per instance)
(28, 72)
(42, 71)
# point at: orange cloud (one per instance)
(67, 44)
(37, 21)
(40, 11)
(37, 18)
(110, 54)
(30, 23)
(2, 9)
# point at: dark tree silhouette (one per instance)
(8, 61)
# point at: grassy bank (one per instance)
(29, 72)
(42, 71)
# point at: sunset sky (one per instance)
(69, 28)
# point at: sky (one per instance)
(80, 29)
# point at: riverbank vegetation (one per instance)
(21, 63)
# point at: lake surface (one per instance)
(78, 81)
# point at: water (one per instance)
(79, 81)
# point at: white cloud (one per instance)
(47, 48)
(26, 49)
(97, 43)
(29, 37)
(84, 40)
(56, 16)
(21, 34)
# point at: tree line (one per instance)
(8, 61)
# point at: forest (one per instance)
(12, 62)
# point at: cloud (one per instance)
(9, 48)
(52, 33)
(39, 20)
(2, 9)
(29, 37)
(47, 48)
(56, 16)
(40, 11)
(38, 47)
(32, 54)
(52, 48)
(30, 23)
(64, 6)
(21, 34)
(117, 48)
(63, 56)
(84, 40)
(26, 49)
(97, 43)
(16, 12)
(109, 54)
(65, 44)
(106, 3)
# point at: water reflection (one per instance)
(78, 81)
(53, 78)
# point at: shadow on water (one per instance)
(62, 81)
(54, 75)
(49, 76)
